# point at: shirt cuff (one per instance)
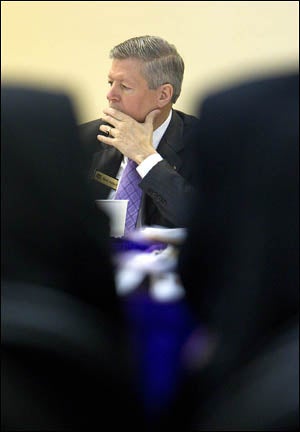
(148, 163)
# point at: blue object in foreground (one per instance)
(159, 331)
(121, 244)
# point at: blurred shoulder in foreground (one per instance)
(240, 262)
(65, 361)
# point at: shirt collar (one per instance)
(158, 133)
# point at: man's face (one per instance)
(129, 90)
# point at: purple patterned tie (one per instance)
(129, 189)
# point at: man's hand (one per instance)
(130, 137)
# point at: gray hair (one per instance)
(162, 63)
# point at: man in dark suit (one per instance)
(64, 344)
(240, 262)
(145, 81)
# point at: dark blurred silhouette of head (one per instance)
(65, 354)
(240, 262)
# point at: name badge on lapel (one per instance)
(105, 179)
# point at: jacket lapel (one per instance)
(169, 147)
(171, 142)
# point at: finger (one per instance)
(105, 139)
(110, 120)
(151, 116)
(107, 129)
(114, 114)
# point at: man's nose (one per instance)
(112, 95)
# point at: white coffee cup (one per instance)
(116, 210)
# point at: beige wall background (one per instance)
(65, 45)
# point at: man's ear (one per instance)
(165, 95)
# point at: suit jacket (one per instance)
(166, 187)
(240, 262)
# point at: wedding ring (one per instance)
(108, 131)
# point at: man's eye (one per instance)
(124, 87)
(110, 83)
